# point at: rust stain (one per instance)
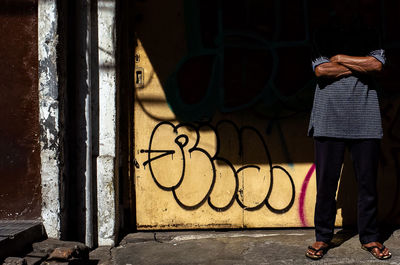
(19, 107)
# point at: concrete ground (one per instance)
(238, 247)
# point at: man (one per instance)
(346, 114)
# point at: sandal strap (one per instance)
(373, 247)
(311, 248)
(369, 249)
(323, 249)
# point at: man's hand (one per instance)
(336, 58)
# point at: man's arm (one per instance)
(364, 65)
(332, 70)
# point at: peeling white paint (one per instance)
(106, 172)
(49, 116)
(106, 200)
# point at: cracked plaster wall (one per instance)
(49, 117)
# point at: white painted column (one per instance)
(106, 164)
(49, 116)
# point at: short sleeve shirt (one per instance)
(347, 107)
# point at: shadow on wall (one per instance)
(224, 63)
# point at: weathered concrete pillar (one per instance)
(49, 116)
(106, 161)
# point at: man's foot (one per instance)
(378, 250)
(317, 250)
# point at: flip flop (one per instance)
(369, 249)
(323, 251)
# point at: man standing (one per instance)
(346, 114)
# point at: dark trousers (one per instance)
(329, 154)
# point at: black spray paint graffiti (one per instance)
(185, 145)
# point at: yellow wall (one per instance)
(230, 160)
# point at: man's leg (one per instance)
(329, 153)
(365, 155)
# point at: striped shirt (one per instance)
(347, 107)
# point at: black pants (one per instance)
(329, 154)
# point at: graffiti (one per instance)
(303, 195)
(233, 64)
(185, 148)
(230, 69)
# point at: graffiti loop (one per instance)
(181, 149)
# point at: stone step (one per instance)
(16, 237)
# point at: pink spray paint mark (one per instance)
(303, 194)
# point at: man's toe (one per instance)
(386, 251)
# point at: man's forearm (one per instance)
(363, 65)
(332, 70)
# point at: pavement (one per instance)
(237, 247)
